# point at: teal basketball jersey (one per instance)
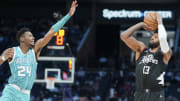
(23, 68)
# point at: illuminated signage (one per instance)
(109, 14)
(70, 64)
(59, 37)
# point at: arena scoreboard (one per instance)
(58, 41)
(60, 37)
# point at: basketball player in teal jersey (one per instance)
(150, 63)
(23, 60)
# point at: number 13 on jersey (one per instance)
(23, 70)
(146, 69)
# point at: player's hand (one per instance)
(8, 54)
(146, 27)
(73, 8)
(159, 18)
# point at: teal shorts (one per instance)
(11, 94)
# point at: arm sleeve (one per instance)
(162, 34)
(61, 23)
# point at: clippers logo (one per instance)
(149, 59)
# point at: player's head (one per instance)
(25, 36)
(154, 41)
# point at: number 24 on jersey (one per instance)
(23, 70)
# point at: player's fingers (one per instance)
(72, 4)
(147, 28)
(8, 50)
(75, 1)
(77, 5)
(7, 56)
(10, 53)
(145, 24)
(10, 56)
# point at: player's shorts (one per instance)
(11, 94)
(147, 95)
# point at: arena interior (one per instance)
(104, 67)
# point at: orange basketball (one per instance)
(151, 21)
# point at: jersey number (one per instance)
(23, 70)
(146, 69)
(161, 78)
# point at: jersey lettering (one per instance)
(149, 59)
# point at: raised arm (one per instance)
(7, 55)
(162, 34)
(55, 28)
(130, 41)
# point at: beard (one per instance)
(153, 45)
(32, 46)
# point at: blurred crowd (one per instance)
(103, 84)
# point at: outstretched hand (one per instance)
(73, 8)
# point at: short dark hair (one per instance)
(156, 31)
(21, 32)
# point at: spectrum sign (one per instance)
(133, 14)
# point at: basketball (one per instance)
(151, 21)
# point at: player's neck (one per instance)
(154, 50)
(24, 48)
